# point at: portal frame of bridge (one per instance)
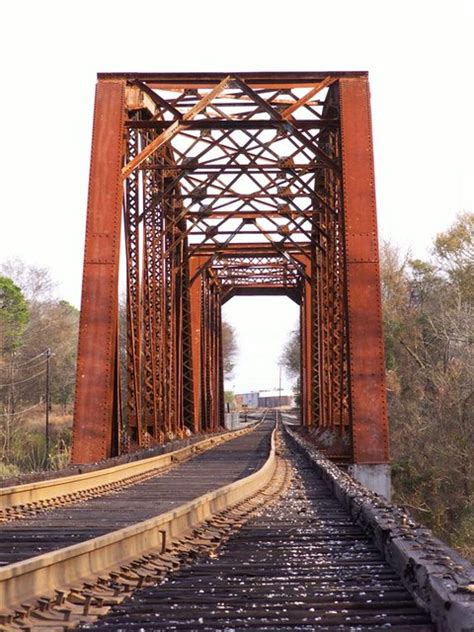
(189, 167)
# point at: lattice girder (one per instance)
(241, 184)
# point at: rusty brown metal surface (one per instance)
(195, 319)
(364, 318)
(240, 184)
(95, 404)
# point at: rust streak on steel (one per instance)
(175, 128)
(234, 184)
(95, 403)
(366, 347)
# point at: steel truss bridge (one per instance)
(212, 186)
(217, 185)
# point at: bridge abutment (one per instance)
(376, 477)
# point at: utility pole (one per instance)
(48, 356)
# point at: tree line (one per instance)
(429, 336)
(429, 352)
(35, 323)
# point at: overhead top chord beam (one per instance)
(215, 123)
(180, 80)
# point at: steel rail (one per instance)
(45, 573)
(436, 576)
(40, 491)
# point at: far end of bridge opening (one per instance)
(261, 354)
(209, 186)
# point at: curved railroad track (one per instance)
(273, 550)
(27, 500)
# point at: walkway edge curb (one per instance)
(435, 575)
(57, 487)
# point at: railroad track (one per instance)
(271, 551)
(60, 545)
(28, 500)
(126, 504)
(300, 564)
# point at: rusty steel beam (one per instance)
(232, 125)
(258, 290)
(307, 366)
(309, 337)
(212, 210)
(256, 249)
(195, 325)
(134, 320)
(174, 129)
(269, 80)
(364, 319)
(325, 83)
(95, 401)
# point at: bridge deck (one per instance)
(301, 565)
(72, 524)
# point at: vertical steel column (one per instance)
(187, 354)
(134, 328)
(151, 307)
(216, 387)
(302, 360)
(316, 393)
(95, 409)
(332, 189)
(206, 358)
(325, 323)
(220, 370)
(195, 318)
(306, 364)
(366, 352)
(309, 359)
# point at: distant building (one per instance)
(264, 399)
(273, 399)
(247, 400)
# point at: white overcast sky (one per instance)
(419, 54)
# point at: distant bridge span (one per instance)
(215, 185)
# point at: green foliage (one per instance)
(13, 315)
(290, 358)
(428, 318)
(229, 348)
(31, 321)
(8, 470)
(35, 282)
(60, 452)
(40, 322)
(28, 451)
(297, 392)
(454, 250)
(229, 397)
(64, 345)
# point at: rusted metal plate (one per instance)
(94, 404)
(195, 317)
(308, 365)
(366, 352)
